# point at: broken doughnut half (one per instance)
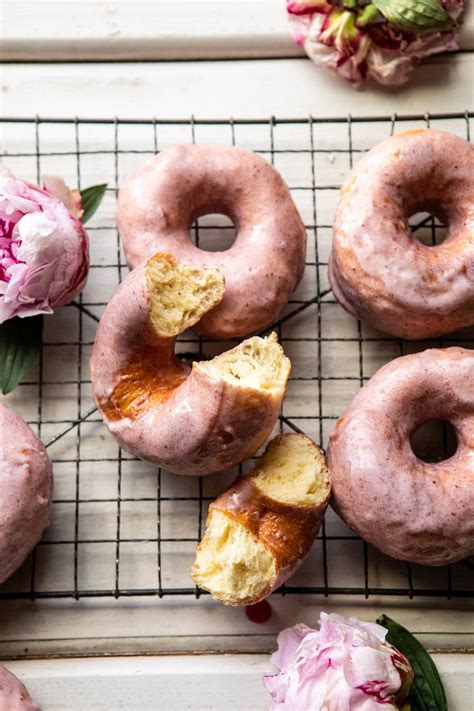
(189, 420)
(261, 529)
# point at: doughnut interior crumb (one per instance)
(180, 295)
(308, 484)
(258, 363)
(231, 563)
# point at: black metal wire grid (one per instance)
(443, 583)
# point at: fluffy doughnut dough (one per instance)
(13, 694)
(26, 487)
(189, 420)
(409, 509)
(261, 529)
(378, 270)
(158, 203)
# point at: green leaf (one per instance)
(427, 692)
(415, 15)
(20, 344)
(91, 199)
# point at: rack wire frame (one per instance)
(320, 297)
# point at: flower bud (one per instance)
(43, 246)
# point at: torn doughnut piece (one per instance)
(261, 529)
(189, 420)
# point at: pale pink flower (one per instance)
(43, 246)
(333, 35)
(345, 666)
(71, 198)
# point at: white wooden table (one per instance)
(200, 683)
(176, 59)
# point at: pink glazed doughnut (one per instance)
(13, 694)
(378, 271)
(409, 509)
(159, 202)
(195, 420)
(26, 487)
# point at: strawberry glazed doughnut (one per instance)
(13, 693)
(409, 509)
(26, 488)
(159, 202)
(378, 270)
(189, 420)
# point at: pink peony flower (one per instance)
(43, 246)
(337, 34)
(345, 666)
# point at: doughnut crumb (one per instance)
(231, 563)
(234, 562)
(309, 482)
(178, 295)
(257, 363)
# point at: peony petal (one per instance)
(288, 642)
(372, 671)
(307, 7)
(5, 172)
(70, 198)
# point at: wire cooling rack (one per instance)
(119, 526)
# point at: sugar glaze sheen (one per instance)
(378, 270)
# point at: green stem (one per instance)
(367, 16)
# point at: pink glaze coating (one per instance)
(378, 270)
(13, 694)
(205, 425)
(26, 487)
(158, 203)
(409, 509)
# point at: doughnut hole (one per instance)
(428, 229)
(214, 232)
(434, 441)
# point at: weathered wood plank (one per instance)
(285, 87)
(183, 624)
(151, 30)
(201, 683)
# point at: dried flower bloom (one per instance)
(352, 38)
